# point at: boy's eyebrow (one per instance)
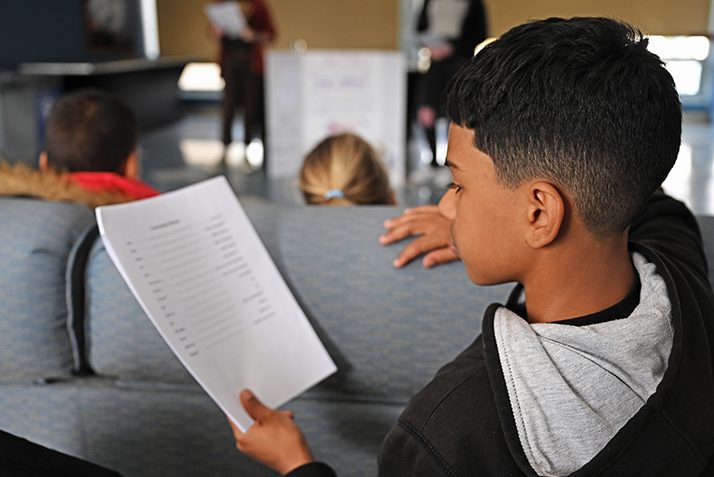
(450, 165)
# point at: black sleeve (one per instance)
(22, 458)
(473, 30)
(667, 226)
(404, 453)
(313, 469)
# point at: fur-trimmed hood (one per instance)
(21, 181)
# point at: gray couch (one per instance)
(83, 370)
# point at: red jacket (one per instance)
(109, 181)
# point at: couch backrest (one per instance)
(37, 240)
(388, 330)
(121, 340)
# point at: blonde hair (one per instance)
(344, 170)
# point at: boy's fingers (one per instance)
(391, 224)
(394, 235)
(409, 253)
(417, 246)
(430, 209)
(415, 225)
(439, 256)
(255, 409)
(410, 215)
(236, 430)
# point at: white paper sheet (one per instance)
(198, 268)
(227, 16)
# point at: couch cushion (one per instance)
(388, 329)
(35, 241)
(47, 414)
(121, 340)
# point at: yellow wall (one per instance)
(338, 23)
(375, 23)
(663, 17)
(321, 23)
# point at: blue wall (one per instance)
(50, 31)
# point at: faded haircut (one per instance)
(578, 102)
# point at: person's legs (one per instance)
(252, 105)
(228, 110)
(235, 70)
(432, 83)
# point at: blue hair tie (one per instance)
(332, 193)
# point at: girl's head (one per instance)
(345, 170)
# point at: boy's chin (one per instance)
(483, 280)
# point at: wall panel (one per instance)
(663, 17)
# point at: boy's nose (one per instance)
(447, 206)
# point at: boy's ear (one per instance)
(42, 163)
(546, 210)
(130, 167)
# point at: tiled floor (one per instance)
(188, 151)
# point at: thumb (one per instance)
(255, 409)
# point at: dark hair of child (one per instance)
(606, 128)
(89, 131)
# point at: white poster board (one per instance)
(311, 95)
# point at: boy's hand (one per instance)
(274, 439)
(435, 238)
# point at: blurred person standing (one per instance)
(242, 68)
(451, 30)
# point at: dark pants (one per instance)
(244, 89)
(429, 89)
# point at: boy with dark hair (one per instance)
(93, 136)
(90, 154)
(601, 361)
(89, 131)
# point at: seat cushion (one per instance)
(36, 238)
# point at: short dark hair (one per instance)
(579, 102)
(89, 130)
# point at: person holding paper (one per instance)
(242, 67)
(600, 363)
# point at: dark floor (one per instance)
(189, 151)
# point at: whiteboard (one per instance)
(311, 95)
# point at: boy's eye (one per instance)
(455, 186)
